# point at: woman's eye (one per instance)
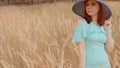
(93, 4)
(90, 4)
(87, 4)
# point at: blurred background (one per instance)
(37, 34)
(7, 2)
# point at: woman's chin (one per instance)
(90, 14)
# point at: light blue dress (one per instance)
(95, 38)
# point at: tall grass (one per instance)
(39, 36)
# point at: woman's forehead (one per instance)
(91, 1)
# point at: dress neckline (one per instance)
(95, 24)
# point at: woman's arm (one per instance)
(109, 46)
(79, 36)
(82, 53)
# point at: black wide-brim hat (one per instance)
(79, 9)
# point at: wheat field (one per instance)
(39, 36)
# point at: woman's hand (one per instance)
(107, 25)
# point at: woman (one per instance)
(93, 35)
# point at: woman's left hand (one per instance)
(107, 25)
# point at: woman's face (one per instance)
(92, 7)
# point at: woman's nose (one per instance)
(89, 7)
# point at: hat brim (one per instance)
(79, 8)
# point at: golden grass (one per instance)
(39, 36)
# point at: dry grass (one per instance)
(39, 36)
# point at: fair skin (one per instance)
(92, 8)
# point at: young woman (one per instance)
(93, 34)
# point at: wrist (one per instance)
(109, 34)
(109, 31)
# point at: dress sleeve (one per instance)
(80, 32)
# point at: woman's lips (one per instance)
(89, 11)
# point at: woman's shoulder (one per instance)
(81, 23)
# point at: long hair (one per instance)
(100, 17)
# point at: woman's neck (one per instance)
(94, 18)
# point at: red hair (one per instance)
(100, 17)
